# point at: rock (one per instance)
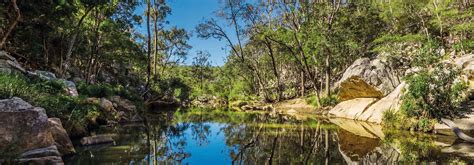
(9, 64)
(43, 160)
(97, 139)
(291, 111)
(464, 61)
(23, 126)
(61, 138)
(390, 102)
(412, 70)
(41, 152)
(45, 75)
(46, 155)
(106, 105)
(352, 109)
(122, 104)
(367, 78)
(25, 131)
(71, 88)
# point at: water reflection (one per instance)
(197, 137)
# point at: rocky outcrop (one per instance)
(28, 135)
(106, 105)
(367, 78)
(61, 138)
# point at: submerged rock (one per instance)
(367, 78)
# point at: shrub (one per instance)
(431, 95)
(325, 101)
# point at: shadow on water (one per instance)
(219, 137)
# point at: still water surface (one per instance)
(216, 137)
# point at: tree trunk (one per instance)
(67, 60)
(148, 47)
(12, 26)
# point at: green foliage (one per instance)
(107, 90)
(431, 95)
(75, 113)
(13, 85)
(325, 101)
(435, 94)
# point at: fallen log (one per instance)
(457, 131)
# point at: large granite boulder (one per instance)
(367, 78)
(370, 109)
(61, 138)
(390, 102)
(25, 131)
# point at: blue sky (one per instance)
(188, 14)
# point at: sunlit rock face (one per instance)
(370, 109)
(352, 109)
(367, 78)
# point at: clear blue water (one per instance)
(239, 138)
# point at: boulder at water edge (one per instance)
(61, 138)
(25, 132)
(352, 109)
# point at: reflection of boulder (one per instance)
(359, 128)
(355, 146)
(358, 148)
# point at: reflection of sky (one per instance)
(215, 151)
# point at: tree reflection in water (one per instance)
(216, 137)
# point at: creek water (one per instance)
(219, 137)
